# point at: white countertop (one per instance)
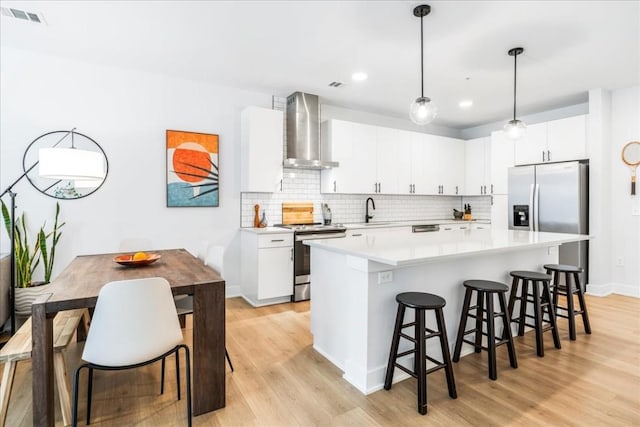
(400, 250)
(266, 230)
(383, 224)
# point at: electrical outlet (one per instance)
(385, 276)
(552, 250)
(620, 262)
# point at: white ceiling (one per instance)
(279, 47)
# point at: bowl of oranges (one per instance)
(137, 259)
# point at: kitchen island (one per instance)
(356, 280)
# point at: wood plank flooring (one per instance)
(279, 380)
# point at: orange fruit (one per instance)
(139, 256)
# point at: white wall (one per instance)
(127, 113)
(625, 227)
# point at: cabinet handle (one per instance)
(334, 186)
(277, 240)
(548, 156)
(543, 159)
(492, 192)
(456, 189)
(375, 187)
(379, 188)
(491, 200)
(481, 190)
(414, 188)
(291, 254)
(356, 235)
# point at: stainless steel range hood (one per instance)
(304, 150)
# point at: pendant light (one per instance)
(515, 128)
(422, 110)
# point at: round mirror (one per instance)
(61, 188)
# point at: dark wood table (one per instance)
(78, 286)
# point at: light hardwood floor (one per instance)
(281, 381)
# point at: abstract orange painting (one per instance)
(192, 169)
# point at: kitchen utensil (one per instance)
(457, 214)
(297, 213)
(631, 157)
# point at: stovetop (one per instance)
(314, 228)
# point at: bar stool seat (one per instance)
(568, 289)
(485, 291)
(540, 296)
(420, 302)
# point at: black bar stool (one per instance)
(541, 299)
(420, 302)
(485, 289)
(568, 289)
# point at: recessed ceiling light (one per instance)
(359, 76)
(465, 103)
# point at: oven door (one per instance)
(302, 263)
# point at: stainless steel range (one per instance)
(302, 254)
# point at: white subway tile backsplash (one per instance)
(300, 185)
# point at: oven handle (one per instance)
(319, 236)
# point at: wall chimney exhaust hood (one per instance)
(303, 133)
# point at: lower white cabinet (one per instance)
(267, 267)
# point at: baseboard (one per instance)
(613, 288)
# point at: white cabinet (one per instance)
(502, 158)
(261, 150)
(424, 164)
(500, 212)
(451, 165)
(554, 141)
(267, 267)
(477, 170)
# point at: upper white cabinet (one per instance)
(477, 159)
(502, 158)
(262, 139)
(381, 160)
(554, 141)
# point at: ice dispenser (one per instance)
(521, 215)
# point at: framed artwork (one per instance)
(192, 169)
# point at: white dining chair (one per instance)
(135, 323)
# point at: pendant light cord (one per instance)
(421, 58)
(515, 74)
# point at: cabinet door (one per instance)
(502, 154)
(275, 272)
(532, 146)
(567, 139)
(500, 212)
(361, 174)
(451, 162)
(262, 139)
(424, 163)
(339, 135)
(393, 166)
(474, 171)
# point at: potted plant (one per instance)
(28, 257)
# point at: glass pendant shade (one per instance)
(423, 111)
(514, 129)
(71, 164)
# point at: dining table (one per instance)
(78, 286)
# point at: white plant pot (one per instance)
(26, 296)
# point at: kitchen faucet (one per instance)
(367, 217)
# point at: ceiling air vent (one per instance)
(335, 84)
(23, 15)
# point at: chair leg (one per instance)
(479, 317)
(162, 376)
(89, 394)
(76, 386)
(8, 374)
(420, 361)
(64, 391)
(552, 315)
(505, 320)
(570, 308)
(512, 301)
(188, 379)
(537, 309)
(491, 337)
(583, 304)
(463, 324)
(446, 357)
(523, 307)
(226, 353)
(394, 347)
(178, 373)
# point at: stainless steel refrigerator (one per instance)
(553, 197)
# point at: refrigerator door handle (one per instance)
(536, 208)
(531, 206)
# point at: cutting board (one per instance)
(297, 213)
